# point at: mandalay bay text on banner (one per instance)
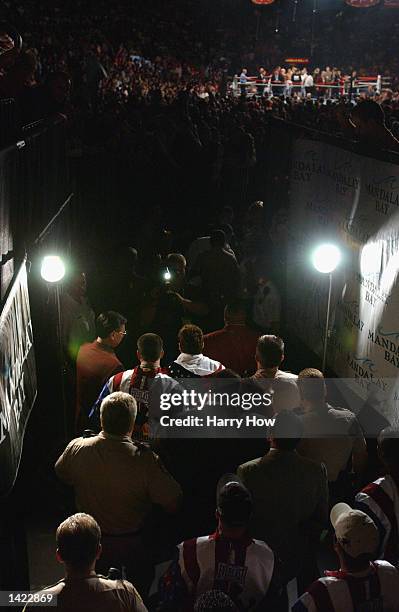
(18, 387)
(353, 201)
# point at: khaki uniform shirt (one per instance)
(116, 481)
(93, 593)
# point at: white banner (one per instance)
(17, 378)
(341, 197)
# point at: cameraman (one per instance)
(171, 303)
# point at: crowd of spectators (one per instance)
(105, 72)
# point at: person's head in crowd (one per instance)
(165, 241)
(124, 259)
(118, 413)
(366, 115)
(312, 388)
(255, 213)
(387, 95)
(150, 349)
(10, 46)
(285, 395)
(78, 541)
(191, 340)
(388, 450)
(214, 601)
(6, 41)
(235, 313)
(233, 506)
(176, 264)
(287, 431)
(217, 239)
(356, 539)
(110, 328)
(59, 86)
(269, 352)
(133, 256)
(368, 118)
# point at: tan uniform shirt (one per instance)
(115, 481)
(93, 593)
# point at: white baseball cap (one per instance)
(355, 531)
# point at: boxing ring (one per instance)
(346, 86)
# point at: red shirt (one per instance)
(95, 364)
(234, 346)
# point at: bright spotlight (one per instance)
(326, 258)
(370, 258)
(167, 275)
(52, 269)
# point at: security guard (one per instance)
(118, 481)
(78, 548)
